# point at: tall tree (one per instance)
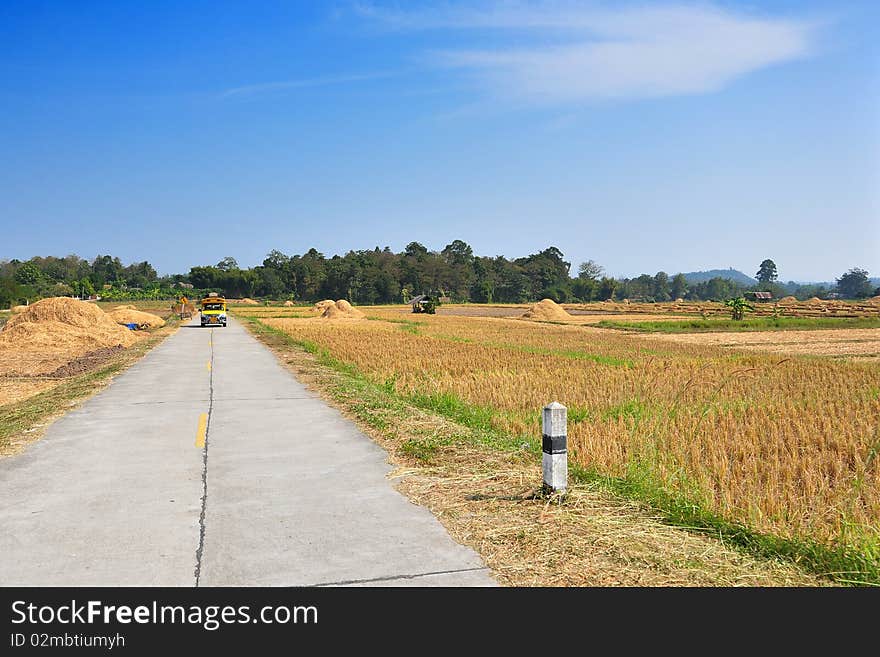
(227, 264)
(591, 270)
(679, 286)
(854, 284)
(767, 272)
(661, 286)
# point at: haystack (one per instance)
(788, 299)
(18, 309)
(814, 300)
(248, 302)
(130, 316)
(321, 306)
(127, 306)
(342, 309)
(546, 310)
(52, 332)
(288, 303)
(874, 300)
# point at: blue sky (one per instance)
(646, 136)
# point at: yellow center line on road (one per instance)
(202, 430)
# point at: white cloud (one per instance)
(565, 53)
(270, 87)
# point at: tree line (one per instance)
(380, 276)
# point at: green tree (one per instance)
(227, 264)
(11, 293)
(661, 286)
(738, 307)
(590, 270)
(28, 274)
(678, 287)
(767, 272)
(607, 287)
(106, 269)
(854, 284)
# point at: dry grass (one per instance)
(16, 389)
(783, 445)
(861, 344)
(486, 500)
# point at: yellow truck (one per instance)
(213, 310)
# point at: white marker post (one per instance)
(555, 448)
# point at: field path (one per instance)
(207, 463)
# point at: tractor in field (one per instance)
(424, 303)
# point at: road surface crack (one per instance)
(389, 578)
(201, 547)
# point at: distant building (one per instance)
(759, 296)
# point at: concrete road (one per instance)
(209, 464)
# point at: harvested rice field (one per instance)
(780, 444)
(852, 344)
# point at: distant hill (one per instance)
(733, 274)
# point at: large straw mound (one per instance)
(321, 306)
(546, 310)
(127, 306)
(875, 300)
(342, 309)
(788, 299)
(814, 300)
(64, 310)
(288, 303)
(248, 302)
(55, 331)
(130, 316)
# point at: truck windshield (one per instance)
(213, 306)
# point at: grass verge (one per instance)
(748, 324)
(449, 448)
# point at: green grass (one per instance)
(748, 324)
(854, 562)
(407, 325)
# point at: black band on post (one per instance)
(554, 444)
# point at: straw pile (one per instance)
(321, 306)
(18, 309)
(130, 316)
(546, 310)
(342, 309)
(288, 303)
(875, 300)
(127, 306)
(53, 332)
(788, 299)
(248, 302)
(814, 300)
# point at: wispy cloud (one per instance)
(561, 53)
(252, 90)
